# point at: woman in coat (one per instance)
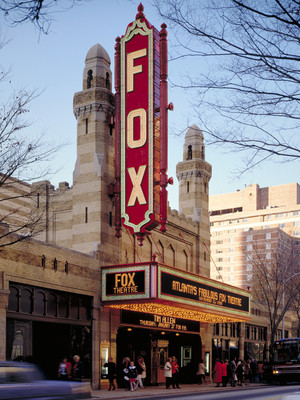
(168, 372)
(218, 372)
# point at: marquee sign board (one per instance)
(153, 321)
(139, 95)
(152, 286)
(181, 287)
(128, 283)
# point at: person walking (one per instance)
(64, 369)
(132, 375)
(141, 369)
(77, 368)
(218, 373)
(254, 369)
(240, 372)
(111, 366)
(175, 373)
(168, 372)
(247, 372)
(125, 372)
(224, 373)
(260, 371)
(201, 372)
(233, 371)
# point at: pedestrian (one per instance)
(229, 373)
(141, 369)
(201, 372)
(260, 371)
(125, 372)
(132, 375)
(64, 369)
(111, 366)
(77, 368)
(224, 373)
(247, 372)
(233, 372)
(218, 373)
(175, 373)
(240, 372)
(168, 372)
(254, 370)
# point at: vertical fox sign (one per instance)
(141, 144)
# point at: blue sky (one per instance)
(54, 64)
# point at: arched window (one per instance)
(107, 81)
(74, 311)
(173, 255)
(89, 78)
(13, 302)
(39, 302)
(52, 305)
(150, 248)
(186, 260)
(162, 251)
(63, 309)
(190, 152)
(26, 301)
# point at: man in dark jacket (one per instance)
(111, 366)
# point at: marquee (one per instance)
(155, 288)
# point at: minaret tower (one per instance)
(193, 174)
(94, 169)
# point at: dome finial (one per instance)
(140, 13)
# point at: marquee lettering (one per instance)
(142, 115)
(136, 179)
(138, 104)
(125, 279)
(134, 69)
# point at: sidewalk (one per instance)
(157, 391)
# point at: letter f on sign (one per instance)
(134, 69)
(136, 179)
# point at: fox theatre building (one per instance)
(151, 309)
(162, 311)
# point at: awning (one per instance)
(155, 288)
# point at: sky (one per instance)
(53, 64)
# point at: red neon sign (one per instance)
(140, 180)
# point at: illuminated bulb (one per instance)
(163, 333)
(177, 312)
(129, 329)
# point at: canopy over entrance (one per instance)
(155, 288)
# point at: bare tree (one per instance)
(275, 285)
(23, 159)
(247, 80)
(39, 12)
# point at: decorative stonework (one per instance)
(194, 165)
(93, 95)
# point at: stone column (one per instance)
(242, 340)
(4, 294)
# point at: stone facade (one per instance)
(77, 235)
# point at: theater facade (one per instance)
(164, 311)
(85, 285)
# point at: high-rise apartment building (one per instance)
(250, 222)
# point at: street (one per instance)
(207, 392)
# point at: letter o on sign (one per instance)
(142, 115)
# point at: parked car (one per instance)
(24, 381)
